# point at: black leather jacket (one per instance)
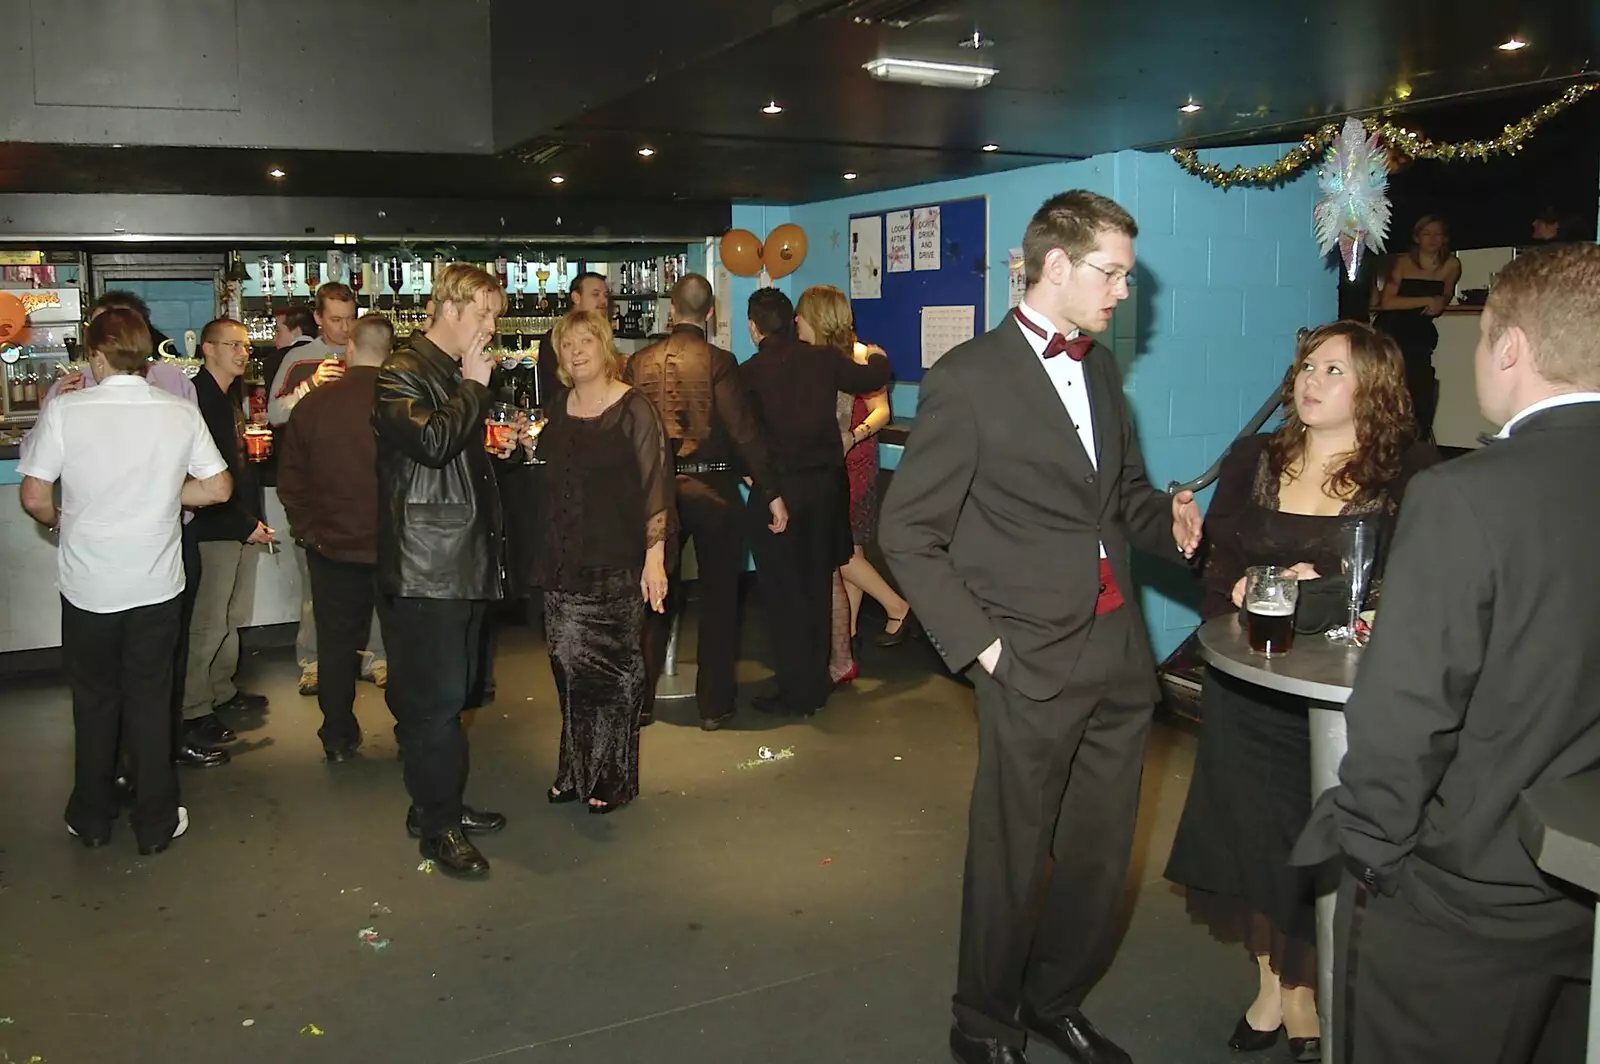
(439, 534)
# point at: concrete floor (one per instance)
(802, 910)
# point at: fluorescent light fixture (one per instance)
(557, 179)
(1190, 108)
(1515, 44)
(991, 147)
(772, 109)
(925, 72)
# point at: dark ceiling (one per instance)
(1075, 79)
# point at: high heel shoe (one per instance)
(854, 671)
(561, 797)
(908, 628)
(1247, 1039)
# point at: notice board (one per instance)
(932, 255)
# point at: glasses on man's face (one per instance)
(1114, 276)
(237, 345)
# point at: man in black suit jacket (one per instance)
(1008, 525)
(1480, 681)
(793, 388)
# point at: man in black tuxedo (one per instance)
(793, 388)
(1480, 681)
(1008, 525)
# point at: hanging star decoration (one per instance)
(1353, 214)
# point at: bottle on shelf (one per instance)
(255, 384)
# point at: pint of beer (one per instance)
(257, 443)
(1270, 595)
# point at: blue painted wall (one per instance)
(176, 306)
(1224, 280)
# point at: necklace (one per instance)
(588, 407)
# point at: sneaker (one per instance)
(177, 832)
(308, 680)
(377, 673)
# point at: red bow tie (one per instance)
(1075, 348)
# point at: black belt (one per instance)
(702, 467)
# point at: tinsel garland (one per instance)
(1398, 139)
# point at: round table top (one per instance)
(1316, 668)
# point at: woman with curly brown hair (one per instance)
(1346, 448)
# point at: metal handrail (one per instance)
(1251, 427)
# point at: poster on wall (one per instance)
(724, 285)
(1016, 278)
(866, 258)
(944, 328)
(925, 237)
(899, 225)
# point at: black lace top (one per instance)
(1244, 526)
(608, 492)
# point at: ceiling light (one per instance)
(1515, 44)
(976, 41)
(1190, 108)
(850, 175)
(647, 152)
(938, 75)
(772, 109)
(557, 179)
(276, 172)
(991, 147)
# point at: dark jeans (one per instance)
(708, 512)
(794, 570)
(119, 667)
(434, 654)
(341, 602)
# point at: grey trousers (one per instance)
(214, 630)
(305, 639)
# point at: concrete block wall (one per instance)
(1224, 280)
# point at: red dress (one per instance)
(861, 466)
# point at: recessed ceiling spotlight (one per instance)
(276, 172)
(850, 175)
(991, 147)
(557, 179)
(1190, 108)
(772, 109)
(1515, 44)
(646, 152)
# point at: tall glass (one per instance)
(536, 423)
(500, 429)
(1271, 593)
(1358, 554)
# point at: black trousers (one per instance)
(708, 513)
(119, 667)
(1410, 990)
(1050, 834)
(795, 572)
(1423, 384)
(434, 655)
(341, 603)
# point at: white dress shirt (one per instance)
(1554, 401)
(121, 451)
(1067, 376)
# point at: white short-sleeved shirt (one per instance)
(121, 452)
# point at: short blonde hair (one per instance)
(1553, 295)
(597, 325)
(827, 311)
(461, 283)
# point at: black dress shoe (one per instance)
(339, 754)
(454, 855)
(209, 731)
(191, 756)
(1246, 1039)
(969, 1050)
(1076, 1038)
(242, 702)
(646, 719)
(717, 723)
(473, 822)
(90, 840)
(777, 707)
(1305, 1050)
(908, 629)
(122, 791)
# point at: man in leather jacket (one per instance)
(439, 560)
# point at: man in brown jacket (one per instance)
(328, 483)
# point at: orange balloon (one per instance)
(13, 318)
(784, 251)
(741, 252)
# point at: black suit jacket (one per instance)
(1481, 680)
(993, 521)
(794, 389)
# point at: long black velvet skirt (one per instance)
(598, 662)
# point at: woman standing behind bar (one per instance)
(1418, 289)
(1344, 450)
(600, 558)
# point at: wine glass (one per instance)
(536, 423)
(1360, 550)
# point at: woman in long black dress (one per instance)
(601, 560)
(1417, 290)
(1345, 449)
